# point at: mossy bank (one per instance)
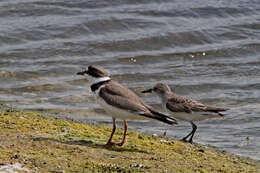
(44, 144)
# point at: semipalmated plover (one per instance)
(120, 102)
(183, 108)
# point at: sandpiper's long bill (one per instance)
(183, 108)
(120, 102)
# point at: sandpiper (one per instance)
(120, 102)
(185, 109)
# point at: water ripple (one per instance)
(204, 49)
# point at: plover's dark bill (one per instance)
(185, 109)
(120, 102)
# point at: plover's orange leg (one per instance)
(124, 137)
(109, 143)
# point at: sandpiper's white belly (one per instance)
(117, 112)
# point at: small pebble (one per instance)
(137, 165)
(164, 141)
(201, 150)
(16, 156)
(133, 60)
(154, 135)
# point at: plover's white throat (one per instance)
(185, 109)
(120, 102)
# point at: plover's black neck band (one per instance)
(96, 86)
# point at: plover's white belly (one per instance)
(195, 116)
(117, 112)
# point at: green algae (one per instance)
(47, 144)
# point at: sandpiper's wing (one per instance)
(178, 103)
(118, 96)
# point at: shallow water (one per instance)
(204, 49)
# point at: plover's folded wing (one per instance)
(135, 106)
(121, 102)
(115, 88)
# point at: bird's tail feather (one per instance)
(222, 115)
(161, 117)
(216, 110)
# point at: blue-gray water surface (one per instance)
(204, 49)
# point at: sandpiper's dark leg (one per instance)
(165, 133)
(185, 138)
(109, 143)
(194, 128)
(124, 137)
